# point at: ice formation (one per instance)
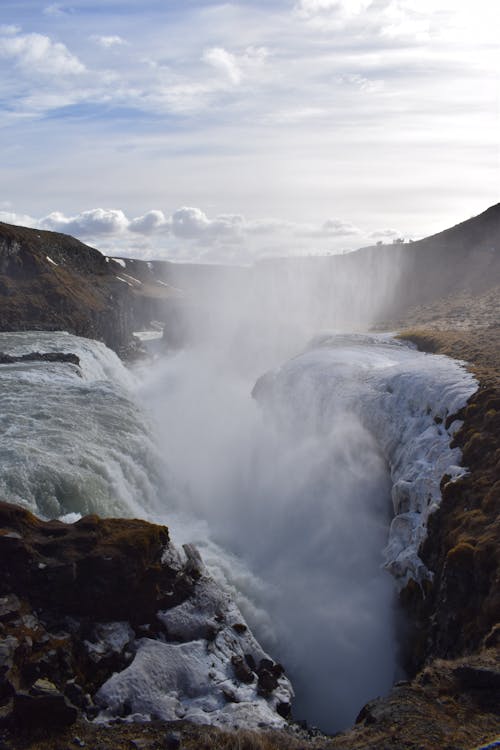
(407, 400)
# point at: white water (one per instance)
(286, 494)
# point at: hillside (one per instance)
(51, 281)
(451, 279)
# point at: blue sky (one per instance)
(232, 131)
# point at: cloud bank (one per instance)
(188, 232)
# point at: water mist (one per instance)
(303, 505)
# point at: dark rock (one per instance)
(49, 710)
(173, 741)
(268, 674)
(242, 671)
(9, 605)
(76, 694)
(139, 743)
(477, 678)
(104, 569)
(63, 357)
(284, 710)
(240, 628)
(250, 661)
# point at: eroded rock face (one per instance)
(106, 617)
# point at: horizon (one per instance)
(231, 132)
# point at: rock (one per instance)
(51, 281)
(44, 687)
(268, 674)
(9, 607)
(242, 671)
(239, 627)
(173, 741)
(477, 678)
(139, 743)
(6, 713)
(107, 570)
(76, 694)
(49, 710)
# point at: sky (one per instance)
(229, 131)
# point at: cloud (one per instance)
(55, 9)
(22, 220)
(97, 221)
(383, 235)
(224, 61)
(37, 53)
(310, 8)
(108, 41)
(189, 233)
(8, 29)
(193, 224)
(361, 82)
(236, 67)
(338, 228)
(150, 223)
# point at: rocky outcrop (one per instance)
(51, 281)
(91, 610)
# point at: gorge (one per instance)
(274, 456)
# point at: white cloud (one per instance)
(151, 222)
(385, 235)
(224, 61)
(108, 41)
(338, 228)
(8, 29)
(193, 224)
(236, 67)
(37, 53)
(361, 82)
(310, 9)
(22, 220)
(54, 9)
(190, 233)
(97, 221)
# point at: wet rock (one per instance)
(63, 357)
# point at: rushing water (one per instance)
(287, 493)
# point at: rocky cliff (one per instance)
(91, 612)
(51, 281)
